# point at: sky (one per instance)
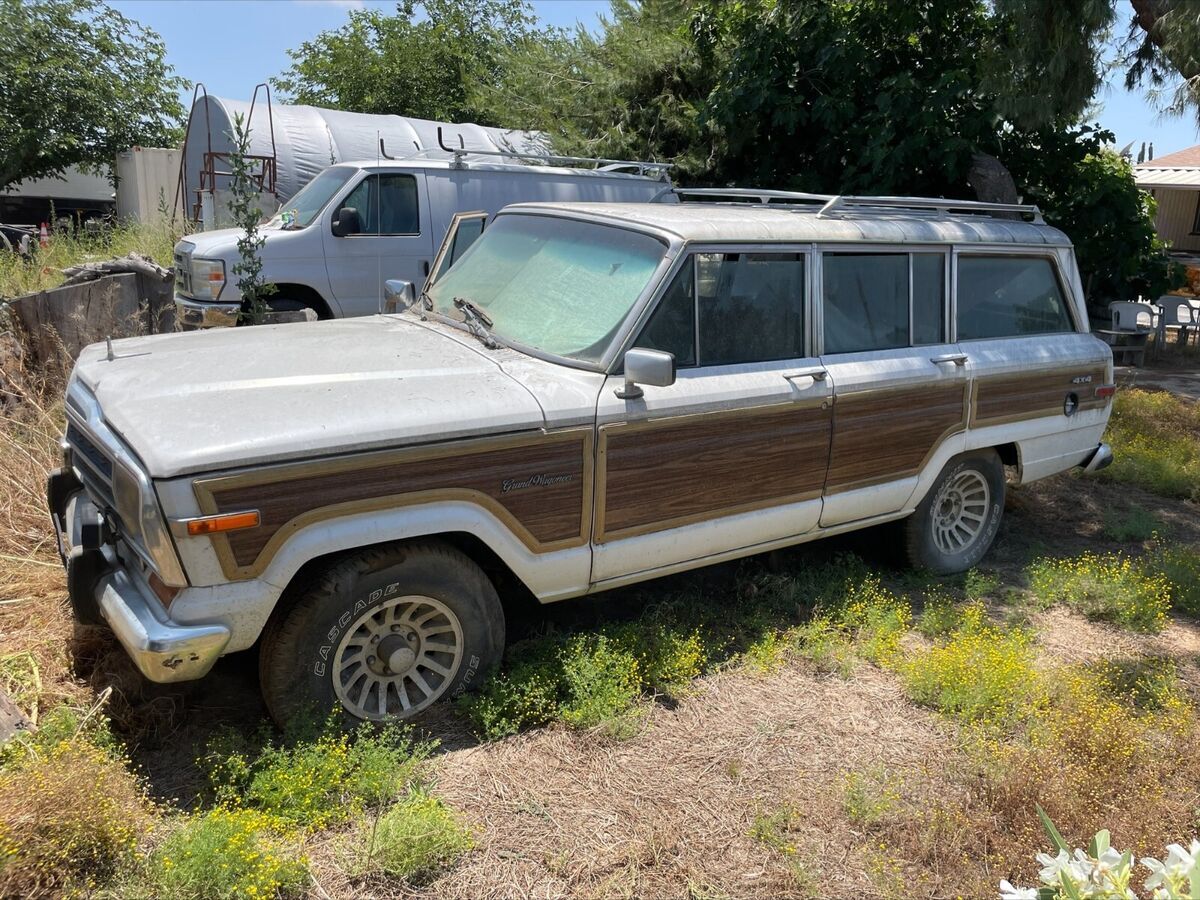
(232, 45)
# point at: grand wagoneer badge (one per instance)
(542, 480)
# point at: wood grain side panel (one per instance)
(666, 473)
(539, 485)
(883, 435)
(1012, 398)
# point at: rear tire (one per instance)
(953, 527)
(382, 635)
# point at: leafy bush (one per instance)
(71, 816)
(980, 673)
(1155, 438)
(1110, 588)
(412, 840)
(239, 853)
(315, 783)
(1135, 524)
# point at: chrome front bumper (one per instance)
(191, 313)
(162, 650)
(1101, 458)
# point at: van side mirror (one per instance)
(398, 295)
(346, 222)
(653, 367)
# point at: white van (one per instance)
(358, 225)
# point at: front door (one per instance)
(733, 454)
(394, 241)
(900, 387)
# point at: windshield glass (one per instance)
(314, 196)
(558, 285)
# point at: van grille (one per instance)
(94, 465)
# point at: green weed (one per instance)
(1180, 566)
(1134, 524)
(413, 839)
(1110, 588)
(868, 799)
(1155, 438)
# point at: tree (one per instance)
(245, 208)
(410, 65)
(79, 82)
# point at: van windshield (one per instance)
(557, 285)
(314, 197)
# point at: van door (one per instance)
(394, 239)
(742, 436)
(900, 386)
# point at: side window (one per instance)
(386, 204)
(751, 307)
(1007, 296)
(672, 327)
(865, 301)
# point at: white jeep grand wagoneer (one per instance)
(592, 395)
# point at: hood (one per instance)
(231, 397)
(221, 243)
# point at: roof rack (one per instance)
(655, 169)
(831, 203)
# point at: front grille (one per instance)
(89, 451)
(183, 275)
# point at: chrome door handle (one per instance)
(816, 374)
(959, 359)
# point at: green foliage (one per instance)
(310, 784)
(80, 82)
(427, 66)
(244, 207)
(226, 853)
(980, 673)
(869, 797)
(1133, 524)
(413, 840)
(1155, 438)
(1110, 588)
(1180, 566)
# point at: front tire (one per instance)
(382, 635)
(953, 527)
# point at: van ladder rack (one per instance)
(831, 203)
(605, 165)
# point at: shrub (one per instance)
(601, 680)
(71, 815)
(1110, 588)
(1155, 438)
(1180, 566)
(412, 840)
(876, 617)
(315, 783)
(239, 853)
(980, 673)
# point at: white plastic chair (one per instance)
(1130, 316)
(1177, 312)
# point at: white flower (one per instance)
(1053, 866)
(1008, 892)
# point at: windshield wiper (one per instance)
(477, 322)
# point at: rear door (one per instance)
(733, 454)
(900, 385)
(395, 240)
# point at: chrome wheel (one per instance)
(960, 511)
(397, 658)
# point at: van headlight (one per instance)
(143, 526)
(208, 278)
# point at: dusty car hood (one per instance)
(241, 396)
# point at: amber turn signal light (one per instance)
(225, 522)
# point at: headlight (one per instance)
(143, 525)
(208, 278)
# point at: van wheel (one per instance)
(382, 635)
(955, 524)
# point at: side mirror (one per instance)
(653, 367)
(346, 222)
(398, 295)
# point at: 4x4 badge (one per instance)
(1082, 379)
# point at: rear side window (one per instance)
(1007, 296)
(880, 301)
(750, 308)
(386, 204)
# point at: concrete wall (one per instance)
(1176, 216)
(147, 179)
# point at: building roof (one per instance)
(1181, 159)
(755, 223)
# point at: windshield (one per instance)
(558, 285)
(314, 197)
